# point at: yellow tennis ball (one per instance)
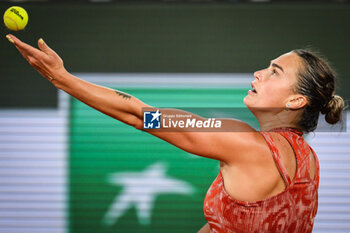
(15, 18)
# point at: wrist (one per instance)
(59, 78)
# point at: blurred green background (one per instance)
(180, 38)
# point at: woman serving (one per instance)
(268, 179)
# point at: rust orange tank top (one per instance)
(290, 211)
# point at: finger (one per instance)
(10, 38)
(14, 40)
(21, 52)
(21, 45)
(44, 47)
(30, 59)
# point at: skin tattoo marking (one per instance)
(124, 95)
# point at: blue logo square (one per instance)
(151, 120)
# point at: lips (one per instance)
(253, 89)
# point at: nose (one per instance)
(257, 74)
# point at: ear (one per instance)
(296, 102)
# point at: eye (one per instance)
(273, 72)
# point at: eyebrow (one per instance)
(277, 66)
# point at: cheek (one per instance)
(274, 96)
(271, 95)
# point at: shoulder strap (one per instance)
(301, 150)
(277, 157)
(317, 175)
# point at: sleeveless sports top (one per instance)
(292, 210)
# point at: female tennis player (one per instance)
(268, 179)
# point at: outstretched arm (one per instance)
(116, 104)
(128, 109)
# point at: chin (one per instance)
(247, 102)
(251, 105)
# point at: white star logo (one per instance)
(156, 115)
(140, 190)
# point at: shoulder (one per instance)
(242, 143)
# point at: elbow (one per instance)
(138, 125)
(135, 122)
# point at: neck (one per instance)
(272, 120)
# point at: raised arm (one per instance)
(128, 109)
(116, 104)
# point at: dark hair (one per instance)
(316, 81)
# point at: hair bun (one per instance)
(333, 109)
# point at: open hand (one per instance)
(44, 59)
